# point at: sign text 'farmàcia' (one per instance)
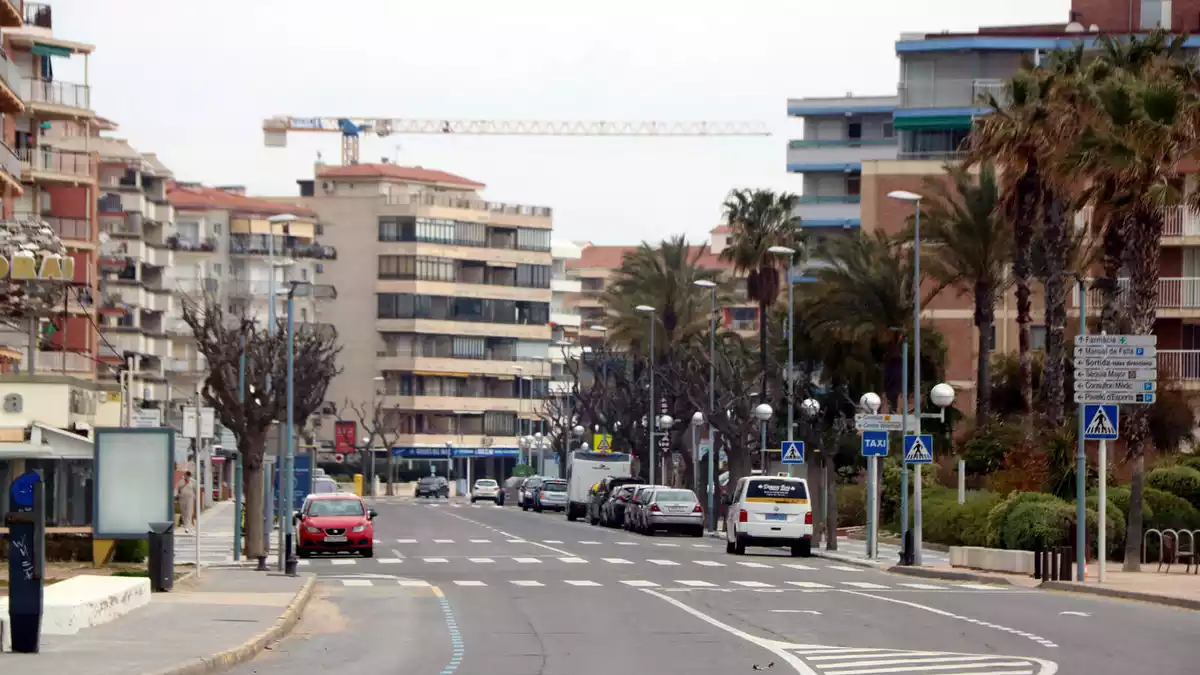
(24, 267)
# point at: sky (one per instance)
(192, 80)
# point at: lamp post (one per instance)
(810, 408)
(791, 376)
(915, 199)
(763, 412)
(650, 312)
(942, 396)
(519, 370)
(712, 395)
(282, 220)
(380, 390)
(870, 402)
(289, 458)
(664, 422)
(697, 420)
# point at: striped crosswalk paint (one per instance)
(863, 661)
(406, 541)
(525, 582)
(709, 563)
(755, 565)
(434, 560)
(572, 559)
(481, 541)
(638, 583)
(389, 561)
(923, 587)
(527, 561)
(443, 541)
(798, 566)
(694, 583)
(356, 582)
(982, 587)
(481, 560)
(863, 584)
(469, 583)
(664, 563)
(809, 584)
(618, 561)
(343, 562)
(845, 568)
(414, 583)
(574, 582)
(752, 584)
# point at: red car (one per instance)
(335, 522)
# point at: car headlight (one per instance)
(312, 530)
(359, 528)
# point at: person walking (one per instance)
(186, 494)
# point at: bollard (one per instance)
(1037, 563)
(1053, 564)
(1066, 555)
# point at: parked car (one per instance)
(672, 509)
(489, 489)
(433, 487)
(604, 491)
(525, 494)
(769, 511)
(551, 495)
(335, 522)
(612, 513)
(640, 495)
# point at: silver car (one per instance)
(636, 503)
(552, 495)
(671, 509)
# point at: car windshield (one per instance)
(674, 496)
(776, 489)
(335, 507)
(427, 480)
(555, 487)
(485, 483)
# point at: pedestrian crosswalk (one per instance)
(675, 584)
(342, 560)
(847, 660)
(684, 545)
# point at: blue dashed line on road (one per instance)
(456, 642)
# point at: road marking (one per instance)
(796, 611)
(481, 541)
(1073, 614)
(406, 541)
(516, 541)
(752, 584)
(923, 587)
(809, 584)
(844, 568)
(668, 545)
(863, 584)
(618, 561)
(434, 560)
(552, 541)
(388, 561)
(443, 541)
(798, 566)
(481, 560)
(525, 582)
(637, 583)
(753, 564)
(581, 583)
(626, 543)
(470, 583)
(414, 583)
(709, 563)
(376, 541)
(572, 559)
(694, 584)
(342, 562)
(589, 543)
(982, 587)
(701, 546)
(356, 582)
(527, 560)
(397, 553)
(1040, 640)
(665, 563)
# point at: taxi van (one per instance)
(769, 511)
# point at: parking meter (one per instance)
(26, 523)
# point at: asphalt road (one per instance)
(462, 590)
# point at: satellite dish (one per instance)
(1074, 27)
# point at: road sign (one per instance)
(208, 422)
(147, 418)
(865, 422)
(189, 423)
(602, 442)
(1110, 351)
(1116, 385)
(875, 444)
(1129, 397)
(1116, 362)
(918, 449)
(1116, 374)
(1117, 340)
(793, 452)
(1102, 423)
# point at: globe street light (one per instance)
(870, 402)
(763, 412)
(712, 391)
(790, 254)
(650, 425)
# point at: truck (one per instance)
(585, 469)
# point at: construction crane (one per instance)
(275, 129)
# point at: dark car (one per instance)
(528, 488)
(612, 513)
(603, 493)
(433, 487)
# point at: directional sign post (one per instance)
(865, 422)
(918, 449)
(793, 452)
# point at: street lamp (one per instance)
(449, 461)
(790, 254)
(712, 393)
(763, 412)
(870, 402)
(650, 417)
(697, 420)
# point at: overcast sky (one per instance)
(192, 80)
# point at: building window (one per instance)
(889, 129)
(397, 267)
(1037, 337)
(854, 129)
(443, 308)
(854, 184)
(435, 269)
(216, 228)
(533, 240)
(533, 276)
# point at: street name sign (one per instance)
(1114, 397)
(875, 444)
(793, 452)
(865, 422)
(918, 449)
(1116, 362)
(1116, 374)
(1116, 385)
(1102, 423)
(1116, 340)
(1117, 351)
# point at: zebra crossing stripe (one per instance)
(808, 584)
(752, 584)
(637, 583)
(527, 561)
(695, 584)
(709, 563)
(863, 584)
(356, 582)
(664, 563)
(753, 564)
(581, 583)
(469, 583)
(617, 561)
(525, 582)
(481, 560)
(573, 559)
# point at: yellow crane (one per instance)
(276, 129)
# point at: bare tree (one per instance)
(380, 426)
(223, 337)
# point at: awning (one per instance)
(42, 49)
(493, 263)
(430, 373)
(933, 122)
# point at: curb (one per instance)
(222, 661)
(1071, 587)
(947, 575)
(849, 560)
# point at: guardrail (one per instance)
(49, 160)
(54, 92)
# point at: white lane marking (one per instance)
(809, 584)
(376, 541)
(435, 560)
(525, 582)
(304, 563)
(1073, 614)
(356, 582)
(470, 583)
(709, 563)
(342, 562)
(695, 584)
(923, 587)
(933, 610)
(798, 566)
(665, 545)
(572, 559)
(701, 546)
(481, 560)
(406, 541)
(665, 563)
(512, 539)
(617, 561)
(864, 584)
(626, 543)
(844, 568)
(481, 541)
(753, 564)
(396, 552)
(552, 541)
(589, 543)
(527, 561)
(443, 541)
(388, 561)
(982, 587)
(638, 583)
(796, 611)
(414, 583)
(516, 541)
(580, 583)
(752, 584)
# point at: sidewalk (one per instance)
(216, 538)
(224, 618)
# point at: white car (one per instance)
(769, 511)
(486, 488)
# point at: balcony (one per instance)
(128, 225)
(458, 366)
(256, 245)
(37, 14)
(1177, 296)
(829, 209)
(158, 257)
(158, 300)
(50, 362)
(60, 100)
(451, 404)
(464, 328)
(248, 288)
(840, 152)
(501, 214)
(190, 245)
(566, 316)
(192, 285)
(1180, 364)
(950, 93)
(46, 164)
(10, 168)
(123, 250)
(10, 78)
(69, 228)
(566, 285)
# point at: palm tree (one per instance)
(969, 247)
(761, 219)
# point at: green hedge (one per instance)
(851, 505)
(1033, 524)
(1192, 461)
(1119, 496)
(1182, 481)
(945, 521)
(1170, 511)
(999, 514)
(131, 551)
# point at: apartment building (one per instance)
(444, 306)
(565, 321)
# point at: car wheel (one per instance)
(571, 515)
(303, 553)
(698, 532)
(739, 547)
(368, 552)
(729, 547)
(802, 550)
(473, 500)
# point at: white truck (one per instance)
(585, 469)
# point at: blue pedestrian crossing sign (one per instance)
(874, 443)
(1101, 423)
(918, 449)
(793, 452)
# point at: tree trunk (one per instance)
(985, 321)
(252, 451)
(1056, 246)
(816, 491)
(831, 539)
(1133, 526)
(390, 474)
(762, 350)
(1028, 189)
(1109, 284)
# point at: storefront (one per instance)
(65, 462)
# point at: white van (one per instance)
(585, 469)
(769, 511)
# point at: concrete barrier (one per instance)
(992, 559)
(88, 600)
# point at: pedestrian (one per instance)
(186, 494)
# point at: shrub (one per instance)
(1114, 527)
(1033, 524)
(1182, 481)
(60, 548)
(1190, 461)
(985, 450)
(999, 514)
(1170, 511)
(1119, 496)
(889, 501)
(131, 551)
(945, 521)
(851, 505)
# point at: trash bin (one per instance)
(161, 558)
